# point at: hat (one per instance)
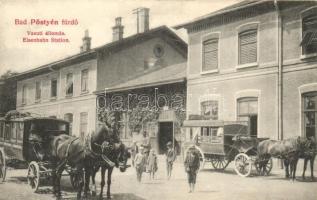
(169, 143)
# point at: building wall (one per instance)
(299, 72)
(122, 65)
(79, 102)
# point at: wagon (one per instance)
(24, 140)
(220, 142)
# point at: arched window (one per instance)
(209, 109)
(247, 110)
(69, 117)
(309, 112)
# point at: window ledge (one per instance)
(53, 98)
(247, 65)
(69, 95)
(306, 56)
(210, 71)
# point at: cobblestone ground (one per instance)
(210, 185)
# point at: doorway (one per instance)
(165, 135)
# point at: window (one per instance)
(14, 131)
(210, 55)
(37, 90)
(248, 47)
(310, 114)
(69, 117)
(83, 124)
(20, 129)
(309, 34)
(1, 130)
(248, 111)
(24, 94)
(84, 80)
(53, 88)
(209, 109)
(69, 84)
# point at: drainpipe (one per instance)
(279, 73)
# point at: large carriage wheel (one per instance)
(268, 167)
(33, 176)
(242, 164)
(75, 178)
(3, 168)
(201, 157)
(220, 162)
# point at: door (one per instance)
(165, 135)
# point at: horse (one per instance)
(70, 150)
(289, 150)
(309, 155)
(120, 157)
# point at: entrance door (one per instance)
(165, 135)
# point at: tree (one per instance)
(8, 89)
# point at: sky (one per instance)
(95, 15)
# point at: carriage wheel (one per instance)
(201, 157)
(220, 162)
(268, 167)
(75, 178)
(33, 176)
(243, 164)
(3, 168)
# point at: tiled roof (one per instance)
(170, 74)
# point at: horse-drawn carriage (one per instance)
(221, 142)
(25, 139)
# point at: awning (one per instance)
(310, 37)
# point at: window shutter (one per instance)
(248, 47)
(210, 61)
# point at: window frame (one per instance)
(249, 115)
(81, 124)
(304, 14)
(38, 91)
(56, 92)
(304, 111)
(24, 94)
(84, 71)
(66, 115)
(69, 94)
(205, 38)
(211, 101)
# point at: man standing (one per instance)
(139, 163)
(170, 158)
(192, 165)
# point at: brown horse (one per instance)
(120, 157)
(71, 151)
(289, 150)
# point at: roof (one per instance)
(161, 31)
(166, 75)
(234, 7)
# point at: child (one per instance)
(192, 165)
(152, 164)
(170, 158)
(139, 163)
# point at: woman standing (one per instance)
(192, 165)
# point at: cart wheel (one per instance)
(268, 167)
(243, 164)
(75, 178)
(220, 162)
(34, 176)
(201, 157)
(3, 168)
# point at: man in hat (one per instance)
(192, 165)
(170, 158)
(139, 163)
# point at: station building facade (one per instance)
(256, 61)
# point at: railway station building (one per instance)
(256, 61)
(150, 62)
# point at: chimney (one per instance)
(117, 30)
(86, 42)
(142, 19)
